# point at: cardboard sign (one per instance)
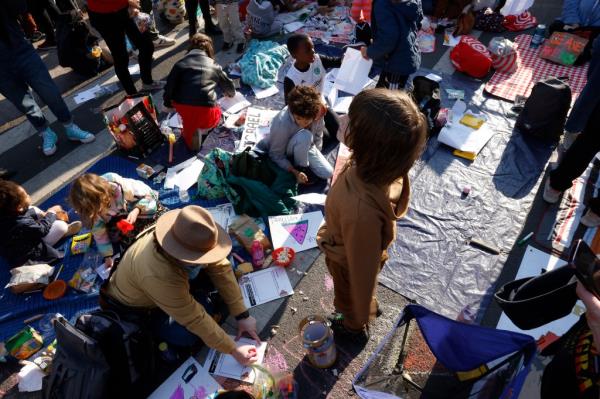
(563, 48)
(298, 232)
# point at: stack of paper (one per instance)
(226, 366)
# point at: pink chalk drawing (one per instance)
(297, 230)
(178, 393)
(275, 360)
(328, 282)
(199, 393)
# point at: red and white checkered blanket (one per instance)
(531, 70)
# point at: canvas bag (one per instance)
(79, 368)
(545, 111)
(470, 56)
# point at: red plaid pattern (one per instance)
(532, 69)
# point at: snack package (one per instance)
(24, 344)
(29, 278)
(83, 280)
(144, 171)
(245, 230)
(81, 243)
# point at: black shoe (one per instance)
(37, 36)
(379, 312)
(47, 45)
(6, 173)
(227, 46)
(240, 48)
(340, 332)
(212, 30)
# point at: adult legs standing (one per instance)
(191, 8)
(392, 81)
(158, 39)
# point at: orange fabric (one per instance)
(361, 5)
(196, 117)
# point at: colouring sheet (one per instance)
(298, 232)
(226, 366)
(190, 380)
(265, 285)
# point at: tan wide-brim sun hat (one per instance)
(191, 235)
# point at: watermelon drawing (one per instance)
(297, 230)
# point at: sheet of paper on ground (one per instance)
(298, 232)
(184, 175)
(190, 380)
(257, 127)
(311, 198)
(265, 285)
(226, 366)
(353, 75)
(534, 261)
(223, 214)
(464, 138)
(264, 93)
(235, 104)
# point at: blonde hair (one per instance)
(90, 196)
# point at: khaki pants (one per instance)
(357, 304)
(229, 22)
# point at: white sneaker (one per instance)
(163, 41)
(590, 219)
(568, 140)
(551, 195)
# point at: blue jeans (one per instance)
(22, 70)
(589, 97)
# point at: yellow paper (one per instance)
(472, 121)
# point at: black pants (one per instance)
(332, 125)
(114, 27)
(392, 81)
(578, 157)
(559, 26)
(191, 8)
(43, 13)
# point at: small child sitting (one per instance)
(102, 201)
(27, 234)
(261, 19)
(292, 143)
(309, 69)
(386, 135)
(191, 88)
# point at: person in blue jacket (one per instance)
(395, 24)
(581, 17)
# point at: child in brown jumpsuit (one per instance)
(386, 134)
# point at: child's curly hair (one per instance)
(304, 101)
(200, 41)
(12, 198)
(90, 196)
(386, 133)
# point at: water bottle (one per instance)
(167, 354)
(258, 254)
(184, 197)
(538, 36)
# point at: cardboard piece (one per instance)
(190, 380)
(265, 286)
(298, 232)
(245, 230)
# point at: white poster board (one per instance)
(226, 366)
(298, 232)
(257, 126)
(190, 380)
(265, 285)
(353, 75)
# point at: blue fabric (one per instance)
(464, 347)
(16, 308)
(261, 61)
(582, 12)
(395, 27)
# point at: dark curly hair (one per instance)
(304, 101)
(12, 197)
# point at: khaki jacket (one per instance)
(360, 222)
(146, 279)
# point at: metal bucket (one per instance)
(317, 339)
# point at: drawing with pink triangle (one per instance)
(297, 230)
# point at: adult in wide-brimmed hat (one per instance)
(155, 272)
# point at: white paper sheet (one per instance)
(311, 198)
(184, 175)
(298, 232)
(226, 365)
(87, 95)
(176, 121)
(434, 77)
(134, 69)
(223, 215)
(293, 26)
(330, 93)
(190, 380)
(532, 264)
(343, 104)
(257, 126)
(264, 93)
(464, 138)
(353, 76)
(234, 104)
(265, 286)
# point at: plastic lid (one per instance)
(55, 290)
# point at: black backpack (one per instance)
(546, 109)
(79, 368)
(122, 357)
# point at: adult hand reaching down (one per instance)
(592, 305)
(245, 354)
(248, 326)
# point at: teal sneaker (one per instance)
(75, 133)
(49, 142)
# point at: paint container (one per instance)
(317, 338)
